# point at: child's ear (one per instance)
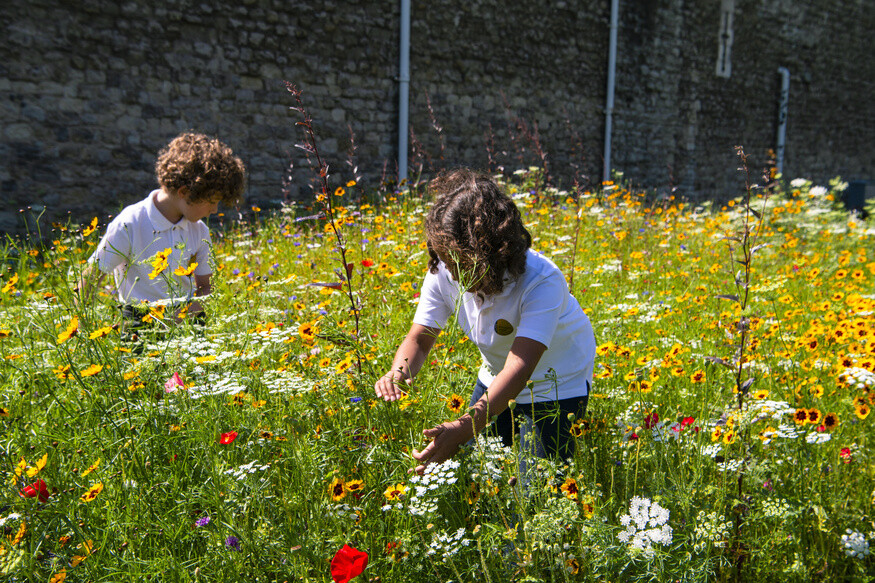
(183, 192)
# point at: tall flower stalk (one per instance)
(324, 199)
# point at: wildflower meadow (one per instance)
(727, 437)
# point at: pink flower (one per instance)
(174, 383)
(347, 564)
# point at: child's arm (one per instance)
(202, 287)
(407, 362)
(90, 280)
(448, 437)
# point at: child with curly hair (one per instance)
(537, 344)
(156, 247)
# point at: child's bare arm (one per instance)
(448, 437)
(202, 287)
(89, 281)
(407, 362)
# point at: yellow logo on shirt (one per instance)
(503, 327)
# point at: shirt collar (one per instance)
(158, 220)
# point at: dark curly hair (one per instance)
(206, 166)
(476, 230)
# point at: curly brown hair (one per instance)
(204, 165)
(476, 230)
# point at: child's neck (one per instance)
(168, 205)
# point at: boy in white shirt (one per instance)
(156, 247)
(518, 311)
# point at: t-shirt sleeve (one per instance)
(114, 248)
(434, 308)
(202, 256)
(541, 307)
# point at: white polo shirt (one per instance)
(134, 237)
(536, 305)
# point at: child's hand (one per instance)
(446, 439)
(389, 386)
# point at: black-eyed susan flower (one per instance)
(394, 492)
(830, 421)
(698, 377)
(307, 331)
(814, 416)
(569, 488)
(337, 490)
(92, 492)
(800, 417)
(354, 486)
(862, 411)
(455, 403)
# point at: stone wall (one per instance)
(92, 90)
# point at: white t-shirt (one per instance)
(131, 242)
(537, 305)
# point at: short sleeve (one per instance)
(541, 307)
(434, 307)
(114, 248)
(202, 256)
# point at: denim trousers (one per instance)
(544, 428)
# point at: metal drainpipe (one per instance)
(404, 90)
(782, 118)
(609, 107)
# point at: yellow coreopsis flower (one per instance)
(185, 271)
(92, 370)
(71, 330)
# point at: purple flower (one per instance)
(202, 521)
(232, 542)
(236, 272)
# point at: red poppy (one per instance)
(367, 262)
(846, 454)
(37, 489)
(347, 564)
(687, 421)
(228, 437)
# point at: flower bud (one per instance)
(511, 404)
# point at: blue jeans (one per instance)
(543, 428)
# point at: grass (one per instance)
(727, 439)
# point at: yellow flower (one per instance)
(92, 492)
(10, 285)
(92, 370)
(5, 333)
(100, 333)
(159, 262)
(90, 228)
(38, 466)
(70, 331)
(337, 490)
(351, 183)
(862, 411)
(59, 576)
(455, 403)
(569, 488)
(91, 468)
(339, 191)
(395, 492)
(185, 271)
(354, 485)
